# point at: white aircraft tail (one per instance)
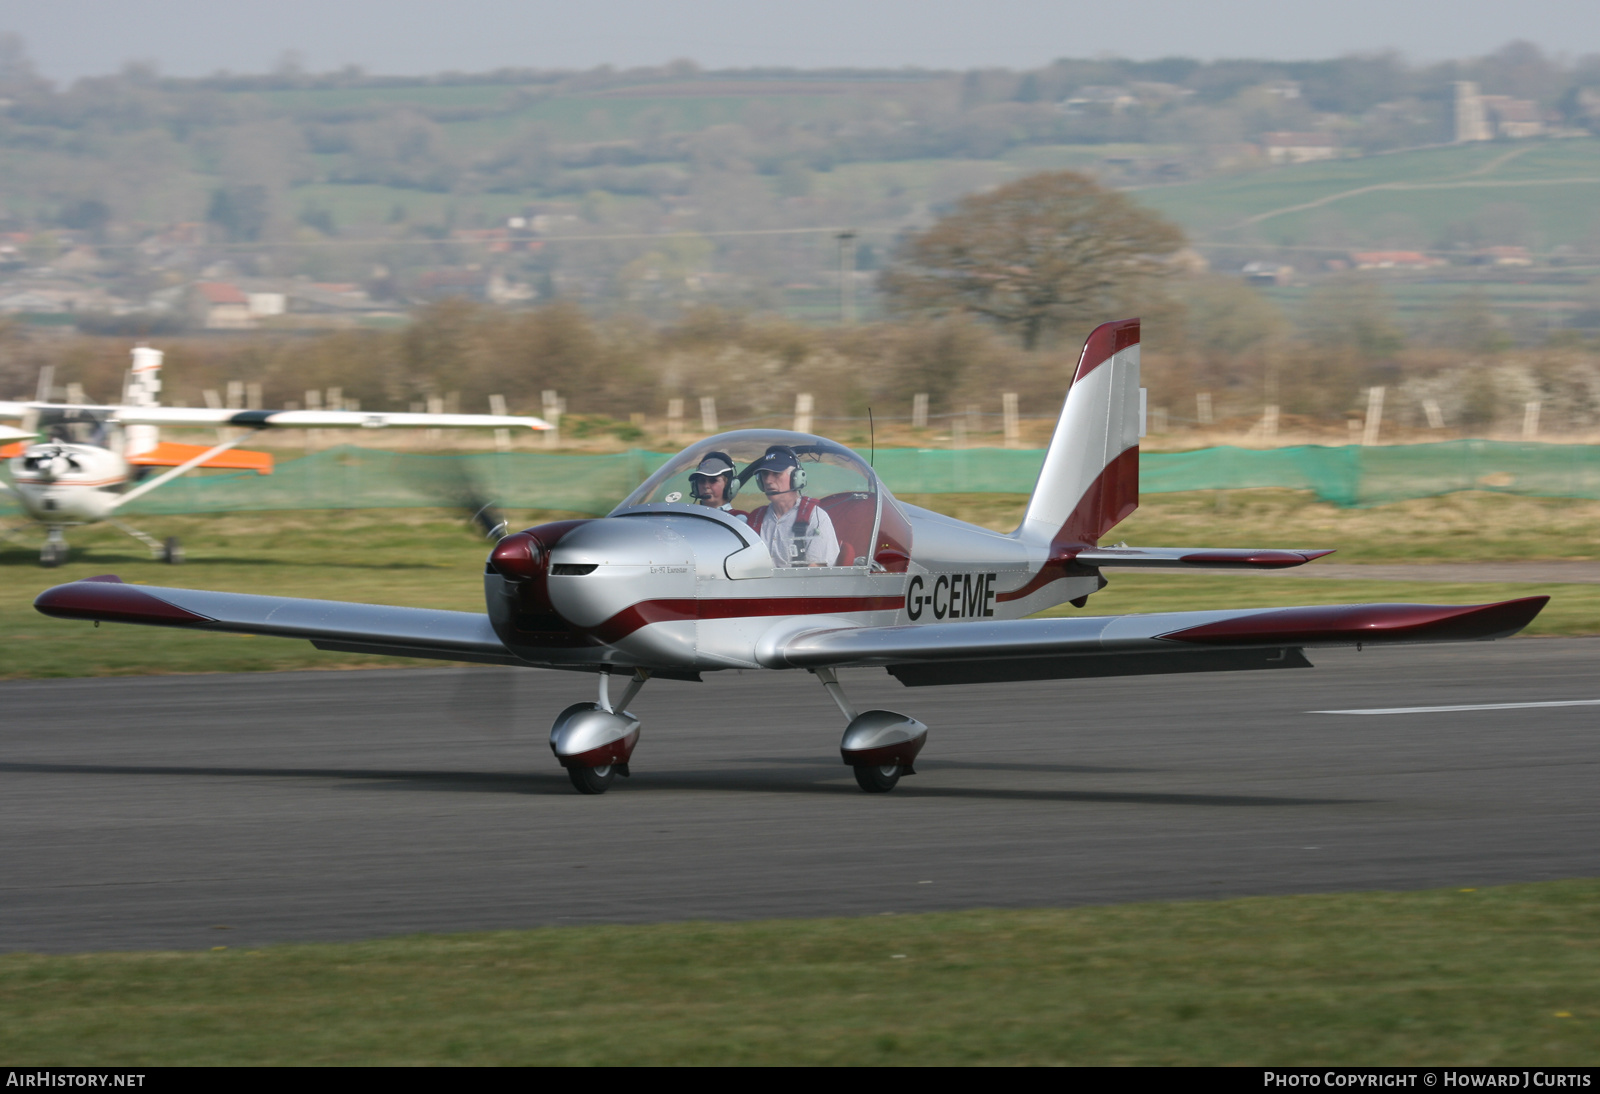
(142, 389)
(1090, 479)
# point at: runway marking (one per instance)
(1473, 706)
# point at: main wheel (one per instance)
(172, 552)
(877, 779)
(52, 554)
(592, 780)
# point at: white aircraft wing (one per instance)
(8, 434)
(316, 419)
(1132, 645)
(327, 624)
(181, 416)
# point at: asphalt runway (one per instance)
(236, 810)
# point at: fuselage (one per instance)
(675, 588)
(61, 483)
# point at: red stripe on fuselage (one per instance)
(647, 612)
(1110, 499)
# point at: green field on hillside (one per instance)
(1558, 181)
(1460, 977)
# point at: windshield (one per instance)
(830, 469)
(826, 520)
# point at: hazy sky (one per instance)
(72, 38)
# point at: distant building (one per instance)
(1299, 147)
(1485, 117)
(1267, 273)
(1505, 256)
(1394, 260)
(218, 305)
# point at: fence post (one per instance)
(803, 404)
(314, 402)
(708, 413)
(1530, 421)
(1430, 407)
(1369, 434)
(1008, 411)
(919, 410)
(435, 406)
(235, 395)
(552, 414)
(1269, 425)
(502, 437)
(252, 396)
(1202, 407)
(675, 420)
(1158, 419)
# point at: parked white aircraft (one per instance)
(80, 464)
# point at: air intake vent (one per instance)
(567, 569)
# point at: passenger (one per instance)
(712, 483)
(795, 528)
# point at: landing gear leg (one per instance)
(594, 741)
(879, 745)
(170, 552)
(54, 551)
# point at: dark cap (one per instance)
(780, 457)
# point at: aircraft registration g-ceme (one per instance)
(830, 571)
(90, 465)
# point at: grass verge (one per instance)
(1463, 977)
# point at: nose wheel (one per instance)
(54, 551)
(594, 741)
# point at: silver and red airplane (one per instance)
(830, 572)
(92, 459)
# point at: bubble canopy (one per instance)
(831, 469)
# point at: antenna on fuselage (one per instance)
(872, 440)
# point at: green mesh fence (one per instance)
(348, 477)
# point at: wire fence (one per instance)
(349, 477)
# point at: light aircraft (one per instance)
(675, 583)
(92, 461)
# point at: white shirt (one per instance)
(820, 547)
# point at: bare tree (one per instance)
(1040, 252)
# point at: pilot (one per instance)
(712, 483)
(795, 528)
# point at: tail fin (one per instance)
(1090, 479)
(143, 389)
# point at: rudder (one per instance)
(1090, 479)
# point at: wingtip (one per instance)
(113, 601)
(1347, 624)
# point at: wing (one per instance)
(1188, 558)
(1134, 645)
(14, 412)
(314, 419)
(328, 624)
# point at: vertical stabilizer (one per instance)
(1090, 478)
(143, 389)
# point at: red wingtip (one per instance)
(1343, 624)
(1256, 560)
(113, 602)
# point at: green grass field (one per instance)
(431, 559)
(1503, 976)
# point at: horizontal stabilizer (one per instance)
(1188, 558)
(410, 632)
